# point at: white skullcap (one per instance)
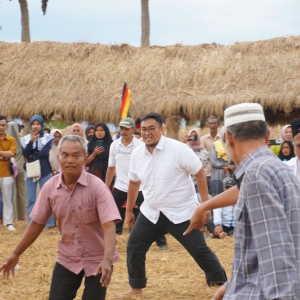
(243, 112)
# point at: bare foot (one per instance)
(131, 293)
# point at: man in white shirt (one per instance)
(294, 162)
(119, 157)
(162, 167)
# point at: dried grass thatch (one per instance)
(172, 275)
(84, 81)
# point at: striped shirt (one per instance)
(267, 231)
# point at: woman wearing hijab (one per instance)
(77, 129)
(57, 135)
(222, 166)
(286, 151)
(98, 154)
(192, 139)
(89, 132)
(19, 196)
(285, 135)
(36, 146)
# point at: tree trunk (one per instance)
(25, 21)
(145, 41)
(172, 124)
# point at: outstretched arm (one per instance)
(30, 235)
(224, 199)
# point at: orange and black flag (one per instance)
(125, 101)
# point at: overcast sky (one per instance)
(189, 22)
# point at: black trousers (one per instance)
(64, 285)
(144, 233)
(120, 198)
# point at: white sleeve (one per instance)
(132, 175)
(217, 216)
(190, 161)
(112, 157)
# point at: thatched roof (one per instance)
(84, 81)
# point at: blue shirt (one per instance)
(267, 231)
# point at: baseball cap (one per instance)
(228, 182)
(127, 122)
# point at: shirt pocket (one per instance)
(89, 215)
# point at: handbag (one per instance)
(33, 169)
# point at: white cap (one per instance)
(243, 112)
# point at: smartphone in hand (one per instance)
(100, 143)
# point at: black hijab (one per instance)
(292, 154)
(107, 140)
(87, 130)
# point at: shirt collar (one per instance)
(81, 180)
(159, 146)
(241, 168)
(131, 143)
(217, 136)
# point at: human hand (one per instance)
(98, 150)
(105, 268)
(34, 136)
(186, 138)
(130, 219)
(219, 294)
(199, 218)
(9, 265)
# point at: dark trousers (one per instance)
(144, 233)
(120, 198)
(64, 285)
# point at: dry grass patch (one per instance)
(171, 274)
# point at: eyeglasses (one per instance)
(150, 130)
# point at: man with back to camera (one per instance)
(162, 166)
(267, 229)
(119, 158)
(86, 215)
(213, 124)
(8, 149)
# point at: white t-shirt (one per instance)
(119, 157)
(165, 179)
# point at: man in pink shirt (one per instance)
(86, 214)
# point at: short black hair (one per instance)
(157, 117)
(3, 118)
(248, 130)
(47, 129)
(136, 132)
(213, 118)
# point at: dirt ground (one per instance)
(172, 275)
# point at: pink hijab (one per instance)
(197, 146)
(282, 139)
(80, 129)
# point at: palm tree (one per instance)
(145, 41)
(44, 6)
(25, 21)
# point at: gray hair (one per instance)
(213, 118)
(248, 130)
(73, 139)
